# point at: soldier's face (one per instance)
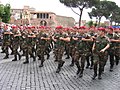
(101, 33)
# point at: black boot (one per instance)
(15, 59)
(99, 77)
(34, 58)
(81, 75)
(3, 51)
(41, 65)
(87, 66)
(20, 57)
(55, 60)
(62, 63)
(72, 63)
(111, 69)
(12, 53)
(94, 76)
(58, 69)
(26, 62)
(48, 56)
(6, 57)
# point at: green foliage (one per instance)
(90, 23)
(5, 12)
(80, 4)
(1, 10)
(104, 8)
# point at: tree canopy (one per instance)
(80, 4)
(104, 8)
(5, 12)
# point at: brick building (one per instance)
(29, 15)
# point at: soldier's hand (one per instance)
(93, 49)
(103, 50)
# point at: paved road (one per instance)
(17, 76)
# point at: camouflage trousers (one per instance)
(99, 59)
(67, 49)
(5, 47)
(58, 52)
(80, 55)
(40, 52)
(28, 51)
(72, 53)
(15, 50)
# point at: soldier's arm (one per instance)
(93, 47)
(104, 49)
(113, 40)
(65, 39)
(45, 38)
(88, 40)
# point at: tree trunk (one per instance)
(81, 11)
(99, 21)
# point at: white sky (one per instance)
(50, 5)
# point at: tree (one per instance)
(80, 4)
(1, 10)
(6, 15)
(104, 8)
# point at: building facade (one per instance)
(29, 16)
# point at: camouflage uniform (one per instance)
(111, 51)
(117, 48)
(16, 43)
(72, 49)
(89, 56)
(41, 47)
(6, 43)
(100, 57)
(29, 44)
(81, 51)
(58, 51)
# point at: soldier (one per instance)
(100, 56)
(73, 44)
(6, 41)
(29, 43)
(41, 47)
(89, 57)
(16, 43)
(111, 50)
(116, 42)
(59, 48)
(81, 51)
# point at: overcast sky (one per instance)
(49, 5)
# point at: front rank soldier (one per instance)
(100, 55)
(41, 47)
(59, 50)
(81, 51)
(28, 47)
(16, 44)
(6, 42)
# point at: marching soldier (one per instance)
(6, 41)
(29, 44)
(99, 49)
(16, 43)
(41, 47)
(59, 50)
